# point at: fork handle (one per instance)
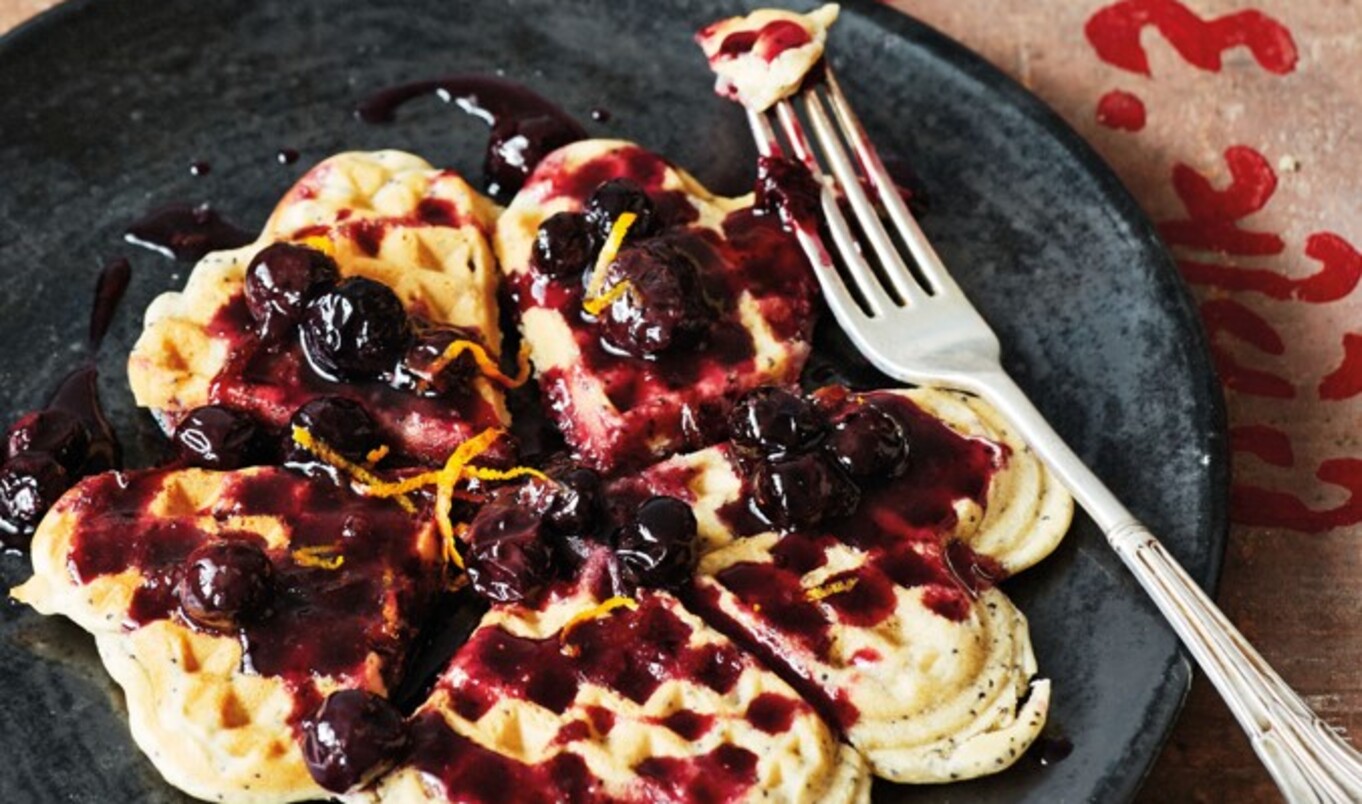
(1306, 757)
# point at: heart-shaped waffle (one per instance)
(220, 712)
(888, 619)
(387, 216)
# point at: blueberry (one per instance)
(508, 558)
(802, 491)
(214, 437)
(417, 374)
(664, 307)
(342, 424)
(226, 583)
(30, 483)
(356, 330)
(613, 197)
(280, 279)
(774, 422)
(354, 736)
(869, 443)
(565, 245)
(51, 432)
(575, 503)
(658, 547)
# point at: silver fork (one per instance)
(921, 329)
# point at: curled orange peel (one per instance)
(486, 364)
(594, 301)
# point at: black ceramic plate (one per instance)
(103, 106)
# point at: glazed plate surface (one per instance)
(106, 104)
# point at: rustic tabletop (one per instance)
(1232, 122)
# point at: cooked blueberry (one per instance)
(29, 485)
(784, 185)
(226, 582)
(280, 280)
(423, 369)
(774, 422)
(354, 736)
(565, 245)
(51, 432)
(356, 330)
(508, 558)
(214, 437)
(517, 145)
(575, 501)
(665, 306)
(342, 424)
(613, 197)
(802, 491)
(869, 443)
(657, 548)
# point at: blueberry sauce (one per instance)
(631, 652)
(674, 399)
(786, 188)
(469, 772)
(323, 618)
(1050, 750)
(767, 43)
(200, 168)
(184, 232)
(772, 712)
(525, 126)
(286, 156)
(109, 290)
(601, 114)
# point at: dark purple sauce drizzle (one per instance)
(525, 126)
(1051, 750)
(286, 156)
(112, 284)
(184, 232)
(200, 168)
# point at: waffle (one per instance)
(684, 716)
(620, 412)
(386, 215)
(218, 719)
(756, 62)
(941, 687)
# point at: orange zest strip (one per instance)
(449, 476)
(321, 556)
(450, 545)
(304, 438)
(486, 364)
(376, 455)
(830, 589)
(593, 613)
(488, 473)
(609, 251)
(321, 243)
(596, 305)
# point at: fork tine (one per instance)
(844, 305)
(928, 263)
(877, 298)
(890, 260)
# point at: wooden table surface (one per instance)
(1233, 123)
